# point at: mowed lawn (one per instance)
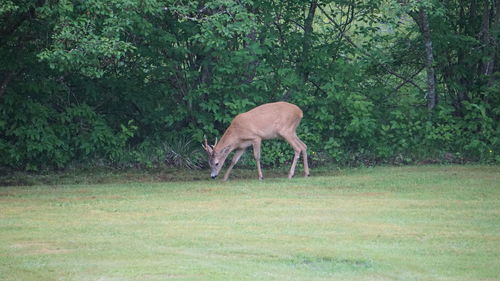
(387, 223)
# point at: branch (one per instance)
(341, 30)
(298, 24)
(408, 80)
(318, 87)
(364, 52)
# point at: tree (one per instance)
(118, 81)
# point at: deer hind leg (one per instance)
(256, 153)
(304, 157)
(235, 159)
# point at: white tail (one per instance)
(267, 121)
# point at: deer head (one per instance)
(215, 159)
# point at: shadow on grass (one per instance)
(109, 175)
(330, 264)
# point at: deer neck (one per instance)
(226, 144)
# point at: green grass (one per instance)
(388, 223)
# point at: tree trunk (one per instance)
(487, 65)
(496, 29)
(489, 41)
(252, 66)
(306, 44)
(6, 82)
(429, 59)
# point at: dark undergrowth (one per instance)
(109, 175)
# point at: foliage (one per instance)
(36, 136)
(133, 82)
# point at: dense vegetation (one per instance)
(140, 82)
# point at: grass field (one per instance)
(388, 223)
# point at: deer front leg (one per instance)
(235, 159)
(297, 148)
(256, 154)
(294, 163)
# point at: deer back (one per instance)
(266, 121)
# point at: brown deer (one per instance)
(267, 121)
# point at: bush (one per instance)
(34, 136)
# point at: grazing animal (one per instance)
(267, 121)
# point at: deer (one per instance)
(267, 121)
